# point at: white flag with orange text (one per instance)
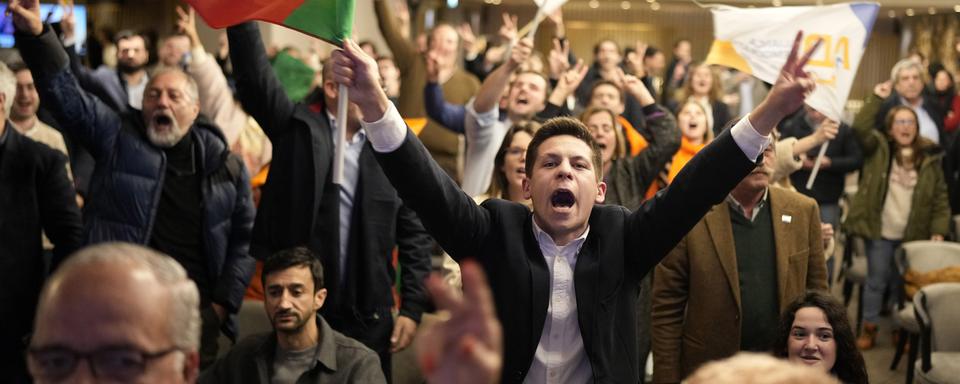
(757, 41)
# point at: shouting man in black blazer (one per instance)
(565, 276)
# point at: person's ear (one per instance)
(320, 297)
(527, 193)
(601, 193)
(330, 89)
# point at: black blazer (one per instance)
(35, 195)
(299, 204)
(621, 248)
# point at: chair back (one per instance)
(925, 256)
(938, 312)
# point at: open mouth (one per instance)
(602, 146)
(562, 198)
(163, 120)
(521, 171)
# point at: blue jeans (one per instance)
(880, 272)
(830, 214)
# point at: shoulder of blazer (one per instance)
(787, 198)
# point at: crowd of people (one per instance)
(569, 217)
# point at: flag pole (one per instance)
(341, 139)
(816, 165)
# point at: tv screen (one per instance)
(51, 13)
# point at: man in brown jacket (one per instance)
(722, 289)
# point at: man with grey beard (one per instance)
(162, 179)
(726, 283)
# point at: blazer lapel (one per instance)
(586, 277)
(721, 232)
(783, 216)
(539, 283)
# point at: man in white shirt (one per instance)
(564, 277)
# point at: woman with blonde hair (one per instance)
(704, 87)
(695, 133)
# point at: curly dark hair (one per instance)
(849, 366)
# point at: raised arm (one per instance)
(258, 88)
(403, 49)
(82, 116)
(450, 116)
(826, 131)
(452, 217)
(488, 97)
(864, 125)
(664, 138)
(85, 76)
(216, 99)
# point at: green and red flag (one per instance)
(329, 20)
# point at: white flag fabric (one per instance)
(757, 41)
(548, 6)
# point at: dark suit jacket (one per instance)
(696, 289)
(299, 204)
(621, 248)
(35, 195)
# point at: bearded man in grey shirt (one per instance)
(302, 347)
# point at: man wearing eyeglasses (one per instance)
(120, 313)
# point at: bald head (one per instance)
(120, 295)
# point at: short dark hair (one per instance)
(849, 366)
(560, 126)
(18, 66)
(294, 257)
(129, 34)
(602, 82)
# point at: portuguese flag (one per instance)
(329, 20)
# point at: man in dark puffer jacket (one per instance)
(162, 178)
